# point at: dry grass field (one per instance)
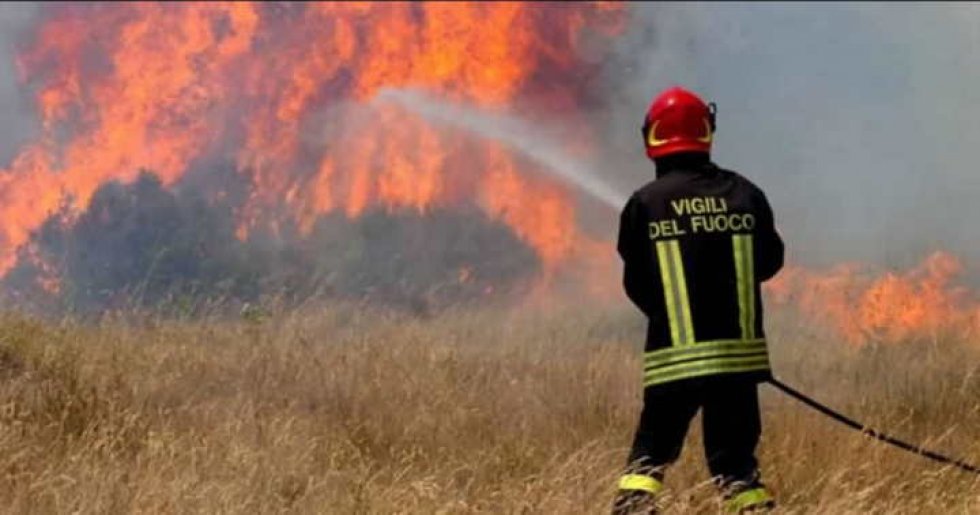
(342, 410)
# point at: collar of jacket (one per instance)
(683, 162)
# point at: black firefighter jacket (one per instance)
(696, 243)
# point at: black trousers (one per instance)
(731, 427)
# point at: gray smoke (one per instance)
(17, 122)
(858, 120)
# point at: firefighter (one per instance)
(696, 243)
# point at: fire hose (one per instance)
(878, 435)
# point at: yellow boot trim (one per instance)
(640, 482)
(753, 498)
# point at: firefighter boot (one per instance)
(637, 495)
(740, 497)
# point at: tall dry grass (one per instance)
(338, 410)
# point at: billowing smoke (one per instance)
(858, 120)
(18, 121)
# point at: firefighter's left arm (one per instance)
(639, 276)
(770, 250)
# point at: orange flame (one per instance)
(923, 302)
(276, 88)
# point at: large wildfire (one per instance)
(281, 94)
(126, 87)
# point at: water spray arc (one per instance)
(517, 134)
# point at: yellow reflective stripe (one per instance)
(668, 281)
(749, 255)
(669, 354)
(703, 357)
(758, 366)
(708, 372)
(745, 282)
(675, 292)
(739, 280)
(716, 362)
(714, 365)
(712, 361)
(640, 482)
(748, 499)
(685, 303)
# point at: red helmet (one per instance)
(678, 121)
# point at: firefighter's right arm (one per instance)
(640, 277)
(770, 251)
